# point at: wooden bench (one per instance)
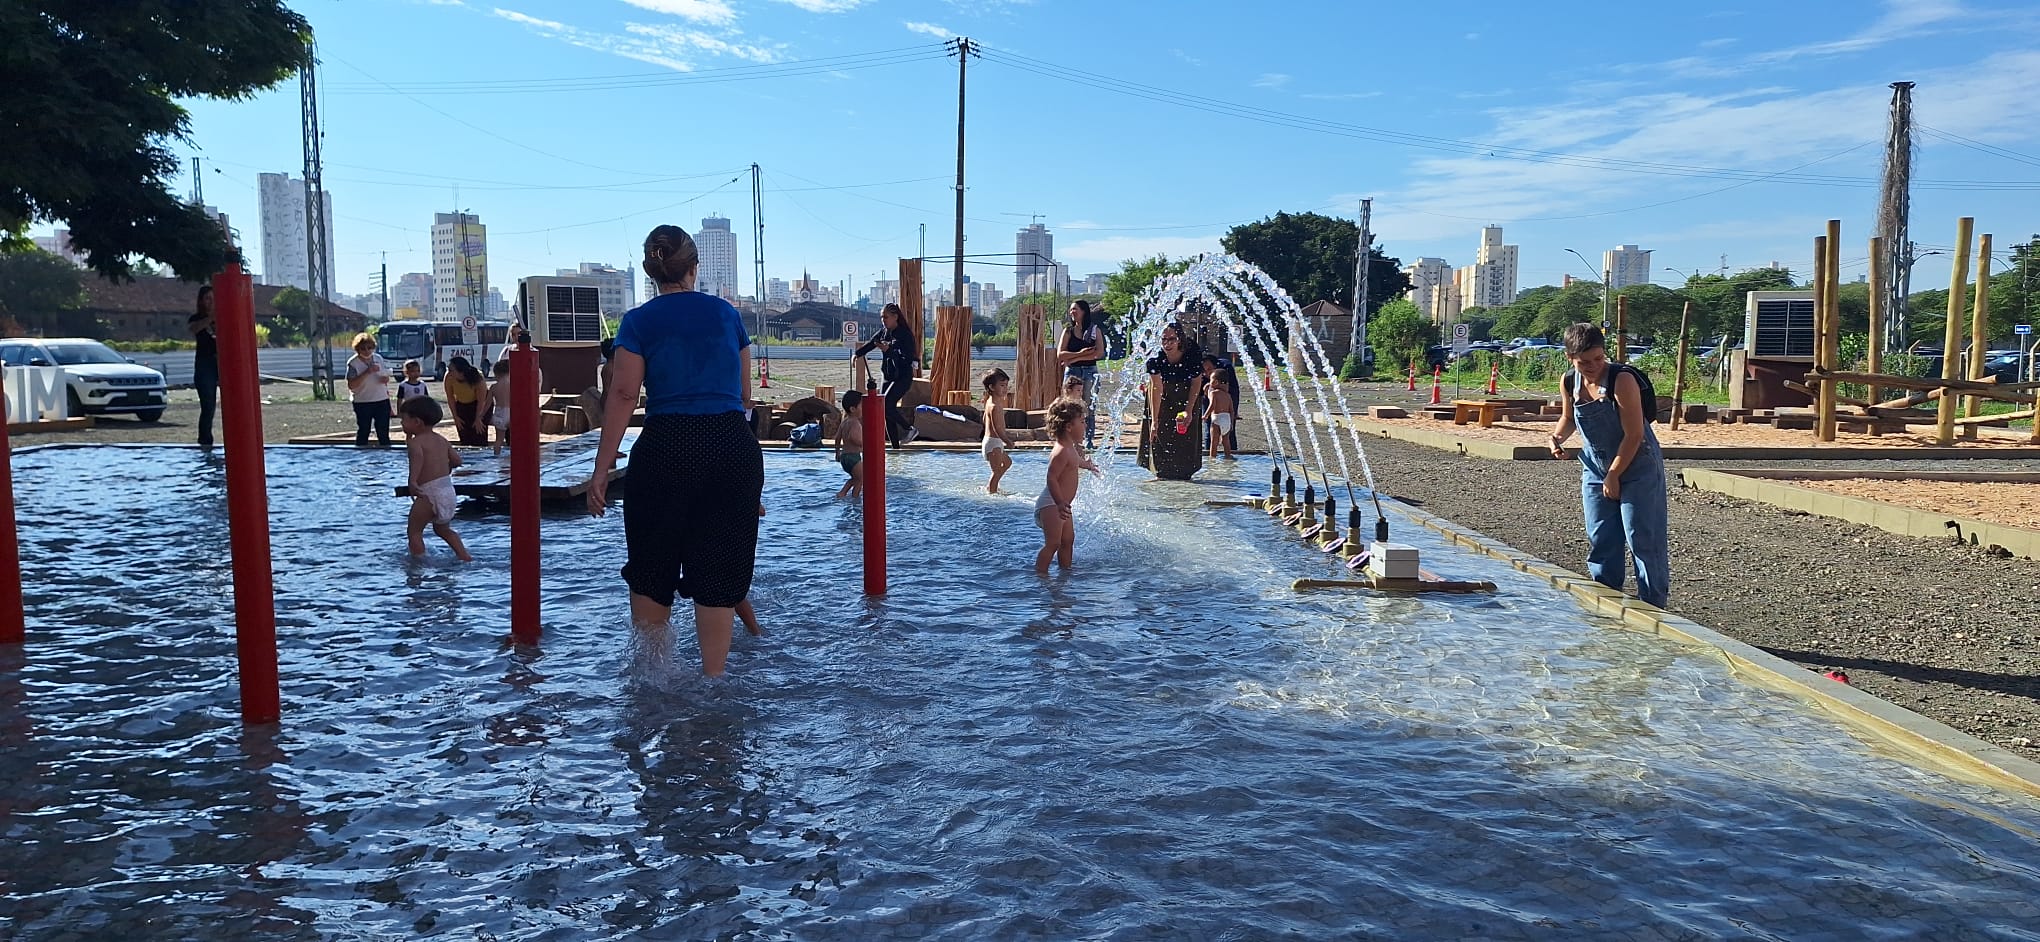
(1485, 410)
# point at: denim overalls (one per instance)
(1637, 520)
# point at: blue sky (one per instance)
(595, 119)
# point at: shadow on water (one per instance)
(1166, 743)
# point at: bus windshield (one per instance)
(404, 341)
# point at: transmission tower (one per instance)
(319, 281)
(1893, 215)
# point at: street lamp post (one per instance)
(1605, 290)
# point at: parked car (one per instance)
(1534, 346)
(100, 380)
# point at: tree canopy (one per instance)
(1311, 257)
(40, 294)
(1399, 333)
(1133, 276)
(91, 108)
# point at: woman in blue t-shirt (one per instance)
(696, 472)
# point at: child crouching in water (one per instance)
(1052, 508)
(850, 445)
(998, 395)
(432, 462)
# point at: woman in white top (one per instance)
(368, 384)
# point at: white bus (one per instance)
(433, 343)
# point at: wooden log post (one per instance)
(1679, 369)
(950, 367)
(911, 298)
(1979, 322)
(1824, 428)
(1031, 384)
(1876, 311)
(1951, 344)
(1622, 329)
(1821, 404)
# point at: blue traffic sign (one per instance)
(2022, 328)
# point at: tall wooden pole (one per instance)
(1876, 312)
(1894, 213)
(1830, 337)
(1951, 344)
(1820, 283)
(964, 50)
(1679, 371)
(1979, 323)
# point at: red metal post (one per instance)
(524, 491)
(873, 468)
(247, 496)
(13, 622)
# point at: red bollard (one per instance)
(1437, 391)
(524, 491)
(873, 470)
(1268, 379)
(13, 621)
(1494, 377)
(247, 497)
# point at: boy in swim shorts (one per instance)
(432, 461)
(850, 445)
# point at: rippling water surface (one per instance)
(1167, 744)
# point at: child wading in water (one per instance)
(998, 395)
(432, 461)
(850, 445)
(1052, 508)
(1218, 412)
(499, 404)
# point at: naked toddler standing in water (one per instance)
(1052, 508)
(432, 461)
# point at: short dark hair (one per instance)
(851, 399)
(994, 376)
(1062, 414)
(1581, 337)
(422, 408)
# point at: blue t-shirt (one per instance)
(692, 344)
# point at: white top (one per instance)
(377, 387)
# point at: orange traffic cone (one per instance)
(1437, 391)
(765, 371)
(1413, 374)
(1494, 377)
(1268, 380)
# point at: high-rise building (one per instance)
(1095, 283)
(718, 248)
(1034, 253)
(1490, 282)
(495, 307)
(282, 204)
(778, 294)
(1428, 279)
(619, 285)
(1626, 265)
(412, 292)
(460, 266)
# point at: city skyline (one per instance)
(1713, 132)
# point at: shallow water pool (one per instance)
(1167, 744)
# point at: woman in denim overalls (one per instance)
(1622, 471)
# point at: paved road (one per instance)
(296, 362)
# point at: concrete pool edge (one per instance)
(1930, 742)
(1775, 487)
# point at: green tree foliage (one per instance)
(293, 326)
(40, 294)
(1311, 257)
(1519, 318)
(1134, 276)
(1718, 303)
(1653, 311)
(1575, 303)
(91, 105)
(1398, 332)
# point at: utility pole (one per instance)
(1894, 208)
(758, 246)
(385, 285)
(964, 50)
(319, 281)
(1360, 267)
(197, 185)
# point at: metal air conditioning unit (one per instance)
(1779, 325)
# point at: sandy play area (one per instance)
(2010, 504)
(1701, 435)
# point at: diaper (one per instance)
(992, 445)
(1224, 422)
(439, 493)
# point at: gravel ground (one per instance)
(1931, 625)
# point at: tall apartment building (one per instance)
(778, 294)
(1051, 279)
(1490, 282)
(1626, 265)
(412, 291)
(1429, 279)
(718, 248)
(619, 285)
(282, 204)
(460, 266)
(1034, 254)
(1095, 283)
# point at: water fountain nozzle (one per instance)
(1274, 480)
(1381, 529)
(1289, 490)
(1309, 492)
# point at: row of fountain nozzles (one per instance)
(1303, 515)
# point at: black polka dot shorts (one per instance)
(690, 509)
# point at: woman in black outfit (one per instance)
(1175, 382)
(205, 364)
(901, 354)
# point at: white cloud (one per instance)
(1717, 43)
(825, 6)
(1115, 249)
(662, 44)
(516, 17)
(931, 29)
(1271, 80)
(1902, 19)
(712, 12)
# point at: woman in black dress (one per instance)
(901, 354)
(1175, 382)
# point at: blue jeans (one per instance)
(1636, 522)
(1089, 374)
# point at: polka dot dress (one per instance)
(690, 510)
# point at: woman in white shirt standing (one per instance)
(368, 384)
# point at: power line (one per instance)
(844, 63)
